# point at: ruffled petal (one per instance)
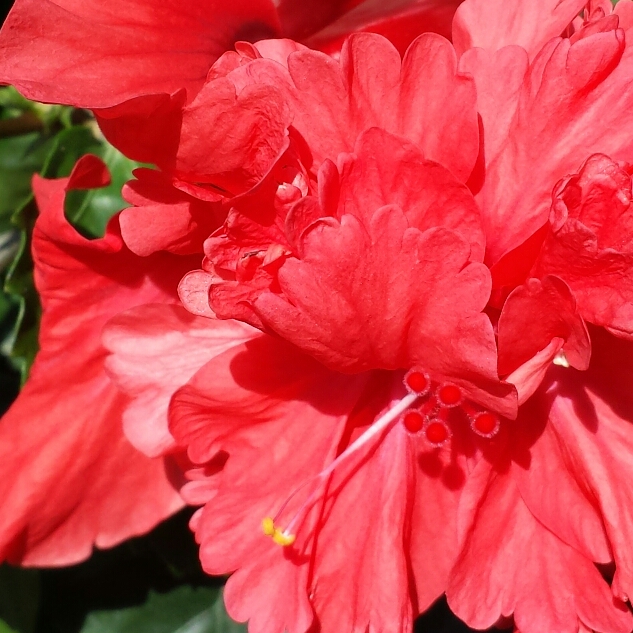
(243, 120)
(533, 315)
(386, 169)
(493, 24)
(511, 565)
(371, 590)
(333, 103)
(422, 98)
(70, 479)
(356, 297)
(540, 457)
(590, 244)
(437, 105)
(257, 404)
(591, 418)
(571, 84)
(155, 350)
(164, 218)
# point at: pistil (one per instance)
(430, 418)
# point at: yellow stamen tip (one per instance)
(280, 537)
(268, 525)
(283, 539)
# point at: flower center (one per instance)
(430, 409)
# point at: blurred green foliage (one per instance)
(19, 597)
(183, 610)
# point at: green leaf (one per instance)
(183, 610)
(20, 158)
(66, 148)
(19, 597)
(10, 98)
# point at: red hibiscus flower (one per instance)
(437, 372)
(71, 53)
(430, 373)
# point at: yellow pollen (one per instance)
(268, 525)
(280, 537)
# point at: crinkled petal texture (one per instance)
(131, 48)
(381, 276)
(70, 479)
(255, 99)
(376, 295)
(493, 24)
(261, 420)
(422, 98)
(511, 565)
(587, 442)
(573, 101)
(590, 244)
(520, 554)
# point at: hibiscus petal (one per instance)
(244, 129)
(164, 218)
(590, 245)
(371, 590)
(258, 403)
(193, 291)
(511, 564)
(70, 479)
(432, 544)
(528, 377)
(424, 98)
(300, 18)
(498, 80)
(134, 48)
(155, 350)
(493, 24)
(593, 422)
(540, 458)
(400, 21)
(554, 130)
(132, 127)
(388, 170)
(437, 106)
(532, 316)
(375, 296)
(331, 111)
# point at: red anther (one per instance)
(437, 432)
(417, 382)
(485, 424)
(413, 421)
(449, 395)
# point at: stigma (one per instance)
(439, 407)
